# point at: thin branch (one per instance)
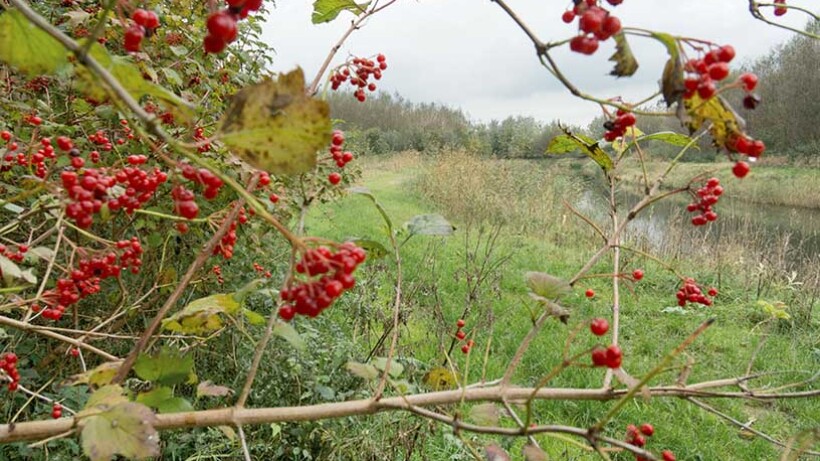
(28, 327)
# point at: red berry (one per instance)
(668, 455)
(726, 53)
(140, 16)
(287, 312)
(213, 44)
(599, 326)
(749, 81)
(334, 178)
(741, 169)
(590, 293)
(187, 209)
(591, 21)
(5, 135)
(719, 70)
(712, 292)
(151, 21)
(611, 26)
(223, 25)
(707, 89)
(65, 143)
(461, 335)
(460, 323)
(613, 356)
(75, 352)
(568, 16)
(273, 198)
(465, 349)
(647, 429)
(637, 274)
(599, 356)
(133, 38)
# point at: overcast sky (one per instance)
(469, 54)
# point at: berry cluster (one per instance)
(704, 72)
(222, 28)
(225, 246)
(17, 256)
(595, 24)
(636, 436)
(336, 143)
(85, 279)
(617, 127)
(262, 271)
(460, 335)
(610, 357)
(217, 270)
(201, 139)
(144, 24)
(90, 190)
(21, 158)
(335, 272)
(204, 177)
(780, 10)
(692, 293)
(8, 365)
(358, 71)
(706, 196)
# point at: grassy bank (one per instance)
(510, 220)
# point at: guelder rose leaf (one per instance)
(202, 315)
(625, 62)
(328, 10)
(26, 47)
(275, 126)
(168, 367)
(547, 286)
(125, 429)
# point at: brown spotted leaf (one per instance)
(275, 126)
(125, 429)
(625, 62)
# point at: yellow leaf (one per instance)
(440, 378)
(275, 126)
(97, 377)
(202, 315)
(726, 124)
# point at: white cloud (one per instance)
(468, 53)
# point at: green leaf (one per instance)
(328, 10)
(396, 369)
(104, 398)
(202, 315)
(130, 77)
(625, 62)
(668, 137)
(360, 190)
(168, 367)
(289, 334)
(253, 317)
(429, 224)
(275, 127)
(125, 429)
(362, 370)
(172, 76)
(26, 47)
(547, 286)
(163, 400)
(569, 142)
(96, 377)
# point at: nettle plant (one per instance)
(120, 161)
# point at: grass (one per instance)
(522, 204)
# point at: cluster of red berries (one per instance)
(636, 436)
(144, 24)
(780, 10)
(336, 143)
(217, 270)
(335, 272)
(712, 67)
(358, 71)
(204, 177)
(617, 127)
(610, 357)
(225, 246)
(85, 279)
(184, 202)
(222, 28)
(202, 140)
(706, 196)
(692, 293)
(461, 335)
(56, 411)
(90, 190)
(17, 256)
(262, 271)
(595, 24)
(8, 364)
(21, 158)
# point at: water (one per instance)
(789, 234)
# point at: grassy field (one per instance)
(510, 220)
